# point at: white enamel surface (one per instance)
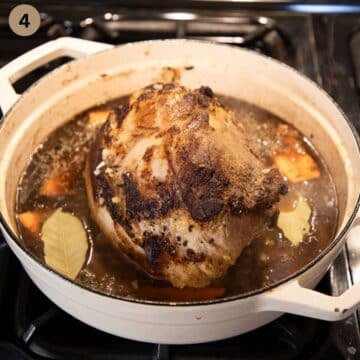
(160, 324)
(110, 74)
(43, 54)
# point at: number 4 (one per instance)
(25, 20)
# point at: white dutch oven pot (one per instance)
(102, 73)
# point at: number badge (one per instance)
(24, 20)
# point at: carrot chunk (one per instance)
(32, 221)
(186, 294)
(98, 117)
(293, 161)
(296, 167)
(57, 185)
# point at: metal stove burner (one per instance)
(260, 33)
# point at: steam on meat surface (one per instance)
(173, 181)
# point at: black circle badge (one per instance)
(24, 20)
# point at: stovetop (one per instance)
(326, 48)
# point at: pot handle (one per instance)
(24, 64)
(296, 299)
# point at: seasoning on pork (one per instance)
(173, 180)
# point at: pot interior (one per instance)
(242, 74)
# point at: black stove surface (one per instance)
(32, 327)
(326, 48)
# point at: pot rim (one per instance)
(245, 295)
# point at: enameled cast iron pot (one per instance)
(103, 72)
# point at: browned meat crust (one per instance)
(183, 187)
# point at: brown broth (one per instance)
(267, 260)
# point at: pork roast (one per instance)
(173, 180)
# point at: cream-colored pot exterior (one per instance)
(107, 74)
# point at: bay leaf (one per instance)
(65, 243)
(295, 224)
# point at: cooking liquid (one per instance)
(267, 260)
